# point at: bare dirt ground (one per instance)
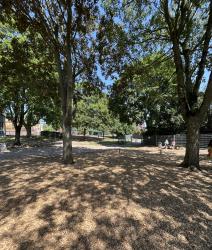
(128, 198)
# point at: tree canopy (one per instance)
(25, 70)
(146, 93)
(93, 113)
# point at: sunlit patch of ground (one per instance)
(111, 198)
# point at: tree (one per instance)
(24, 71)
(39, 107)
(120, 35)
(146, 92)
(14, 72)
(183, 29)
(189, 27)
(121, 128)
(68, 29)
(92, 113)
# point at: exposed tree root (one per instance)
(191, 167)
(68, 162)
(183, 165)
(16, 144)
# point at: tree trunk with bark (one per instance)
(67, 107)
(67, 83)
(67, 141)
(66, 91)
(17, 141)
(191, 159)
(29, 131)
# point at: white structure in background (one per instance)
(7, 128)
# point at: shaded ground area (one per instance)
(110, 199)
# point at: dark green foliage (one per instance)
(93, 113)
(25, 71)
(147, 92)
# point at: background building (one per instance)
(7, 128)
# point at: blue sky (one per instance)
(204, 84)
(109, 81)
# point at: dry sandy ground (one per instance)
(132, 199)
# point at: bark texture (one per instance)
(17, 141)
(29, 131)
(191, 159)
(67, 143)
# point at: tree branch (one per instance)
(202, 63)
(181, 87)
(207, 100)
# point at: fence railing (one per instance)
(180, 139)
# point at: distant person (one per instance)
(210, 149)
(166, 143)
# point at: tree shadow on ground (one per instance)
(87, 138)
(109, 199)
(116, 143)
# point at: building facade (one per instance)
(7, 128)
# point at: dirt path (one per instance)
(110, 199)
(54, 149)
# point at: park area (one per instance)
(105, 125)
(113, 197)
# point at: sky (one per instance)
(204, 84)
(109, 81)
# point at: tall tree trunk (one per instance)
(191, 158)
(67, 87)
(17, 141)
(29, 131)
(66, 90)
(67, 141)
(67, 102)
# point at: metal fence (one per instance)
(180, 139)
